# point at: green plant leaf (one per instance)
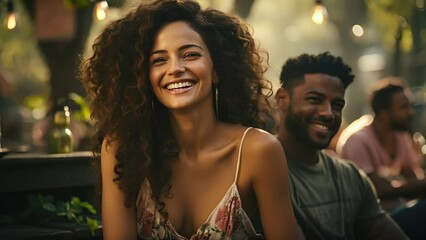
(75, 200)
(74, 210)
(79, 219)
(46, 198)
(83, 114)
(49, 207)
(61, 214)
(92, 224)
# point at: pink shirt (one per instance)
(364, 148)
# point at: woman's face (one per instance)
(181, 68)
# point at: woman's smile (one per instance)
(179, 85)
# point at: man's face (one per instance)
(315, 108)
(401, 112)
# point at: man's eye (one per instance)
(337, 107)
(314, 100)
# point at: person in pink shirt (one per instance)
(384, 149)
(377, 160)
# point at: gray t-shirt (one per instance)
(332, 199)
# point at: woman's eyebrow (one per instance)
(180, 48)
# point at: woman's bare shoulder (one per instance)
(109, 151)
(258, 140)
(109, 145)
(261, 150)
(263, 157)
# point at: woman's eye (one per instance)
(191, 55)
(158, 60)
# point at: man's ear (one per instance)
(282, 98)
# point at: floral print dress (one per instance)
(227, 221)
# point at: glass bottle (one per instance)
(60, 137)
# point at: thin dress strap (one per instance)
(239, 154)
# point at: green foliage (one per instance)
(83, 114)
(77, 3)
(19, 53)
(34, 101)
(75, 210)
(392, 16)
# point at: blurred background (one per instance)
(42, 41)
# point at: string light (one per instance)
(100, 10)
(11, 16)
(320, 14)
(420, 4)
(357, 30)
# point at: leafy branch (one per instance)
(74, 210)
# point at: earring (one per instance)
(216, 88)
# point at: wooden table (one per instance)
(33, 172)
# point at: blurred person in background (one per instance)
(382, 145)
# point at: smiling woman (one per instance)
(181, 69)
(178, 98)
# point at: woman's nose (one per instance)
(176, 66)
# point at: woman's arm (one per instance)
(118, 221)
(270, 183)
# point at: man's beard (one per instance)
(298, 127)
(400, 127)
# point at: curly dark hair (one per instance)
(294, 68)
(125, 109)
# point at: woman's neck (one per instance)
(194, 131)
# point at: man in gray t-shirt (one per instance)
(332, 199)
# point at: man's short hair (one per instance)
(294, 69)
(382, 91)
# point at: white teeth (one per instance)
(320, 126)
(174, 86)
